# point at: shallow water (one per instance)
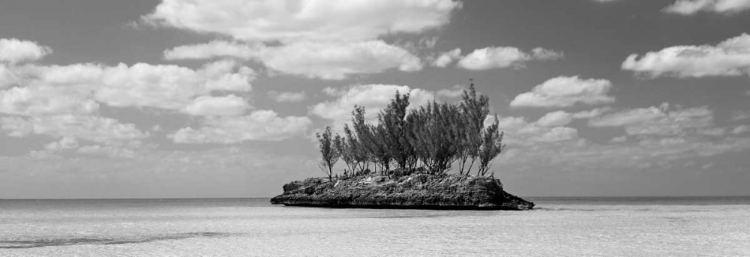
(253, 227)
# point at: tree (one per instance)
(393, 131)
(474, 111)
(492, 146)
(328, 151)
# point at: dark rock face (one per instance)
(419, 191)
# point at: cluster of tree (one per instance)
(430, 138)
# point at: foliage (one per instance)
(425, 139)
(329, 151)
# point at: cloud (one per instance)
(740, 115)
(554, 119)
(15, 50)
(548, 129)
(287, 96)
(338, 60)
(742, 129)
(168, 86)
(591, 113)
(728, 58)
(229, 105)
(454, 91)
(293, 21)
(329, 60)
(447, 58)
(658, 120)
(79, 88)
(64, 144)
(373, 97)
(214, 49)
(92, 128)
(503, 57)
(264, 125)
(690, 7)
(566, 92)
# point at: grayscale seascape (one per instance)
(374, 128)
(703, 226)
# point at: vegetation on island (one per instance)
(428, 139)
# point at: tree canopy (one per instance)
(429, 138)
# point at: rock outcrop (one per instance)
(418, 191)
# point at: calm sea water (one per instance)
(253, 227)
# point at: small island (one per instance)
(405, 159)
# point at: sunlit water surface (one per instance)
(253, 227)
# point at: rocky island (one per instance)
(416, 191)
(411, 157)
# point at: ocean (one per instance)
(703, 226)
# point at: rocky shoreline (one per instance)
(415, 191)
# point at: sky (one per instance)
(222, 98)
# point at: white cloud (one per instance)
(742, 129)
(728, 58)
(307, 20)
(287, 96)
(658, 121)
(565, 92)
(229, 105)
(447, 58)
(554, 119)
(263, 125)
(79, 88)
(548, 129)
(591, 113)
(546, 54)
(64, 144)
(373, 97)
(503, 57)
(330, 91)
(214, 49)
(7, 77)
(454, 91)
(337, 60)
(92, 128)
(689, 7)
(168, 86)
(15, 50)
(740, 115)
(328, 60)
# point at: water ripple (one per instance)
(22, 244)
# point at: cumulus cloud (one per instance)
(287, 96)
(168, 86)
(373, 97)
(14, 50)
(92, 128)
(337, 60)
(548, 129)
(503, 57)
(554, 119)
(64, 144)
(658, 120)
(565, 92)
(728, 58)
(214, 49)
(454, 91)
(447, 58)
(263, 125)
(79, 88)
(328, 60)
(229, 105)
(690, 7)
(289, 21)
